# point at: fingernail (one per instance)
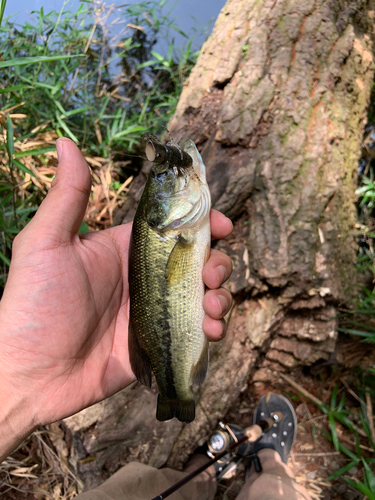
(223, 303)
(59, 148)
(221, 273)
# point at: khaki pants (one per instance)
(137, 481)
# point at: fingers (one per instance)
(217, 270)
(217, 301)
(216, 304)
(214, 330)
(221, 226)
(61, 213)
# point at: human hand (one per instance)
(64, 312)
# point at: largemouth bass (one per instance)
(170, 245)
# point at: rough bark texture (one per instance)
(277, 105)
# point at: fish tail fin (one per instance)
(169, 408)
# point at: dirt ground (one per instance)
(313, 458)
(34, 473)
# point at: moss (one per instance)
(292, 129)
(281, 23)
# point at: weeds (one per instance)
(2, 8)
(348, 418)
(360, 321)
(355, 458)
(103, 94)
(83, 97)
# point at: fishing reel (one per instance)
(225, 436)
(230, 444)
(228, 435)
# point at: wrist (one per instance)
(16, 421)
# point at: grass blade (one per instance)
(34, 60)
(32, 152)
(341, 403)
(370, 479)
(332, 425)
(333, 397)
(342, 448)
(343, 419)
(344, 469)
(84, 228)
(65, 127)
(23, 169)
(14, 88)
(360, 487)
(10, 140)
(4, 259)
(2, 8)
(366, 428)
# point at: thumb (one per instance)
(61, 212)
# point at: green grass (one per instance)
(103, 93)
(361, 320)
(350, 417)
(78, 95)
(338, 413)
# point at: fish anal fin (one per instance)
(139, 361)
(184, 411)
(199, 369)
(180, 260)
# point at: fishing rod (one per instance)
(219, 439)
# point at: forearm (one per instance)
(16, 422)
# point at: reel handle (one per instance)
(255, 431)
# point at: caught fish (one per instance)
(170, 245)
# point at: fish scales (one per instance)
(166, 287)
(151, 320)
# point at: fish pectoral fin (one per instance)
(180, 260)
(139, 361)
(199, 369)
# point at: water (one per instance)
(194, 17)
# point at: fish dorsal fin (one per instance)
(180, 260)
(199, 369)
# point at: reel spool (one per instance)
(221, 439)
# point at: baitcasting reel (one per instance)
(226, 437)
(221, 439)
(228, 445)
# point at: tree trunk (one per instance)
(277, 106)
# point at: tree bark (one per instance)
(277, 105)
